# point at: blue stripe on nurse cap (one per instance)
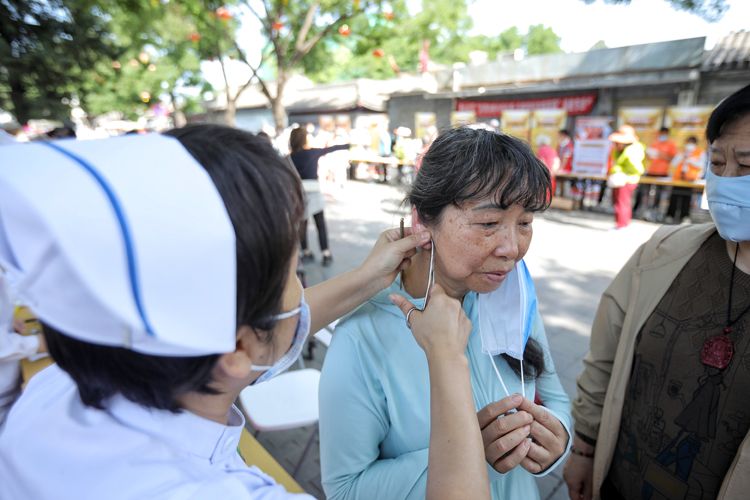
(122, 242)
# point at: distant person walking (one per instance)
(305, 160)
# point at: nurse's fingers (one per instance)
(503, 425)
(497, 449)
(493, 410)
(409, 242)
(511, 460)
(404, 305)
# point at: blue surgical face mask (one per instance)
(294, 352)
(729, 204)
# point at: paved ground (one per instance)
(573, 257)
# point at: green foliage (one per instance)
(710, 10)
(445, 24)
(172, 61)
(541, 40)
(53, 52)
(47, 50)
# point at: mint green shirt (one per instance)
(375, 405)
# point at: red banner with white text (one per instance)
(581, 104)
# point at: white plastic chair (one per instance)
(325, 335)
(287, 401)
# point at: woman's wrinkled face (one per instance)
(478, 244)
(730, 152)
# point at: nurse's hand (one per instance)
(442, 328)
(391, 255)
(550, 439)
(505, 434)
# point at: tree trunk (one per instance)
(178, 117)
(230, 113)
(277, 105)
(18, 98)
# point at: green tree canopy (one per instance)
(106, 55)
(47, 49)
(389, 40)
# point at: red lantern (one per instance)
(389, 15)
(223, 14)
(378, 52)
(277, 25)
(194, 37)
(344, 30)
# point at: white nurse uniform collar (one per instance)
(120, 242)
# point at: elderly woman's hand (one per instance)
(442, 328)
(505, 433)
(391, 255)
(550, 439)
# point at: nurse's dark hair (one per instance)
(465, 164)
(263, 198)
(729, 110)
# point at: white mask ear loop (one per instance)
(500, 378)
(430, 275)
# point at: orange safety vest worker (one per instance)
(660, 154)
(689, 167)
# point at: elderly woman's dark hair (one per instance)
(466, 164)
(263, 198)
(729, 110)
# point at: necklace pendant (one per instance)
(717, 351)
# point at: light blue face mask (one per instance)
(506, 318)
(729, 204)
(294, 352)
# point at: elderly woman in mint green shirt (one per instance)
(476, 193)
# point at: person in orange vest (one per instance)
(688, 166)
(659, 154)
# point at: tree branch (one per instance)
(243, 58)
(303, 50)
(263, 20)
(306, 25)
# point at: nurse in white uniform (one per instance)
(163, 272)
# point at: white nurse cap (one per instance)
(120, 242)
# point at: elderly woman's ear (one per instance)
(418, 226)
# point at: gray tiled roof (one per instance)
(732, 52)
(661, 56)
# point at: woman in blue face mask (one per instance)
(662, 401)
